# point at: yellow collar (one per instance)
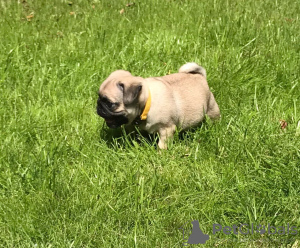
(147, 108)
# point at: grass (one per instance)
(66, 181)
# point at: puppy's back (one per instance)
(191, 95)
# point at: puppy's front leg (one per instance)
(165, 134)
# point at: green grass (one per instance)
(65, 181)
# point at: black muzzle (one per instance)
(112, 119)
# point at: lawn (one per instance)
(66, 180)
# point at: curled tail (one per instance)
(192, 68)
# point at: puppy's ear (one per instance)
(120, 86)
(131, 92)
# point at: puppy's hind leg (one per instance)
(213, 110)
(164, 135)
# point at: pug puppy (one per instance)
(157, 104)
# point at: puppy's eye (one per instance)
(114, 105)
(111, 105)
(108, 103)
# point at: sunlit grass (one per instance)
(68, 181)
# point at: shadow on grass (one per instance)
(120, 138)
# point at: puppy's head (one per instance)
(119, 98)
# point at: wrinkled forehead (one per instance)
(110, 91)
(110, 84)
(114, 77)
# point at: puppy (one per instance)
(157, 104)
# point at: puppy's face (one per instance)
(118, 101)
